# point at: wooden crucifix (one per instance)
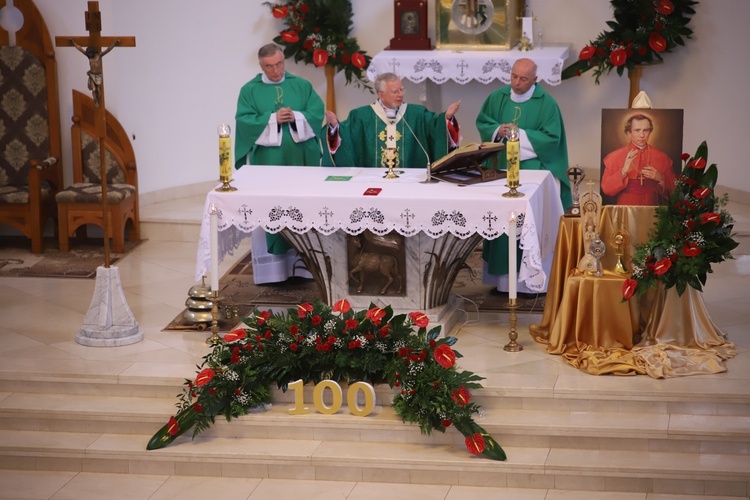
(94, 43)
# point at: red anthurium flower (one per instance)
(702, 192)
(665, 7)
(204, 377)
(698, 163)
(303, 309)
(375, 315)
(618, 57)
(691, 249)
(280, 12)
(445, 356)
(475, 444)
(173, 428)
(685, 156)
(358, 59)
(662, 266)
(290, 36)
(320, 57)
(587, 53)
(420, 319)
(235, 357)
(709, 217)
(657, 42)
(342, 306)
(235, 335)
(628, 288)
(461, 396)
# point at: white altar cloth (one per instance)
(462, 67)
(301, 199)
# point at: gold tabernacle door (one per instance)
(464, 165)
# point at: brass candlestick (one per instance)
(214, 339)
(225, 156)
(512, 346)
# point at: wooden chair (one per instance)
(30, 152)
(81, 203)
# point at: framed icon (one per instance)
(410, 25)
(640, 153)
(478, 24)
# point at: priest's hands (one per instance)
(452, 110)
(628, 165)
(284, 115)
(331, 119)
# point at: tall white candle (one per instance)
(214, 215)
(512, 272)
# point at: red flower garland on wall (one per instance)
(642, 31)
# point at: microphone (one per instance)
(429, 178)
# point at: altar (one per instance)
(316, 209)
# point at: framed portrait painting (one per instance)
(478, 24)
(640, 154)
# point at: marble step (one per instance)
(727, 434)
(554, 392)
(283, 458)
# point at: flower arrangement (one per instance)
(316, 342)
(317, 32)
(691, 232)
(641, 32)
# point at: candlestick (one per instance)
(214, 242)
(512, 271)
(225, 158)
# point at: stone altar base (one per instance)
(109, 321)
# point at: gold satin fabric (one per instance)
(586, 321)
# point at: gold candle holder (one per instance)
(513, 163)
(513, 346)
(225, 158)
(214, 338)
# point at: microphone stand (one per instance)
(429, 179)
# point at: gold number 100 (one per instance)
(351, 398)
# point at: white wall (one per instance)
(192, 56)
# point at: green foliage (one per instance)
(318, 342)
(641, 32)
(326, 25)
(692, 232)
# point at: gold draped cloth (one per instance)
(660, 334)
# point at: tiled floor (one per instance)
(40, 318)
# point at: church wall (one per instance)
(182, 79)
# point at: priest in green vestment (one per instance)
(390, 132)
(277, 121)
(537, 116)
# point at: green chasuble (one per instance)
(257, 102)
(367, 132)
(540, 118)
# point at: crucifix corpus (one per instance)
(94, 43)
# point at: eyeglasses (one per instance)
(271, 67)
(395, 92)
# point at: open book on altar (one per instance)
(464, 165)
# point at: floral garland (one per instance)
(317, 32)
(641, 32)
(317, 342)
(691, 232)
